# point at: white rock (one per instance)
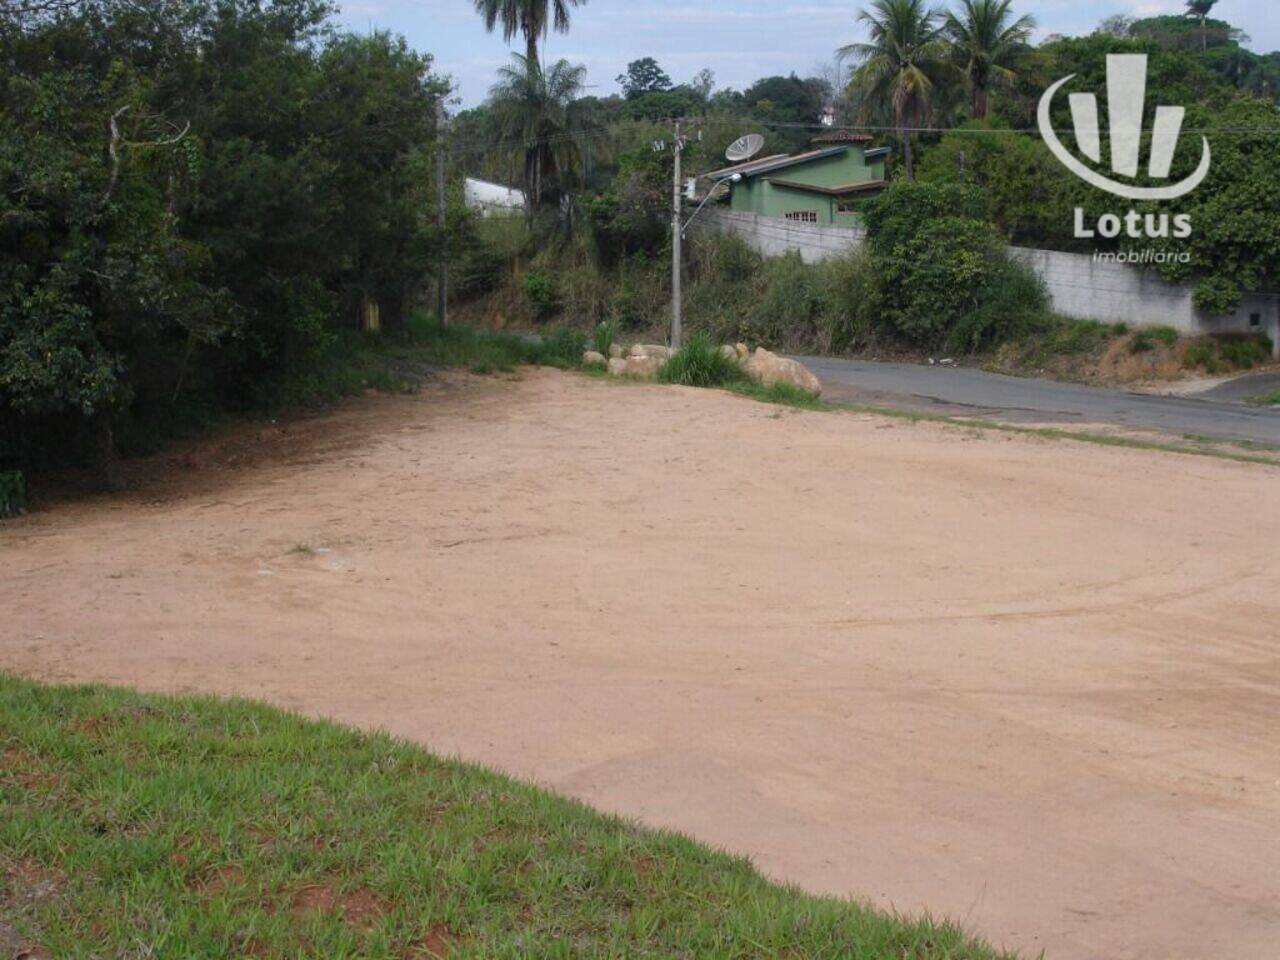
(592, 358)
(643, 366)
(617, 366)
(768, 368)
(615, 350)
(728, 352)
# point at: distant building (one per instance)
(492, 199)
(823, 185)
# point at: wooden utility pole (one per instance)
(676, 194)
(442, 278)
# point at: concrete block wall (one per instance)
(1078, 285)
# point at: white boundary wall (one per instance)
(1078, 285)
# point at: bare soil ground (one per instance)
(1030, 684)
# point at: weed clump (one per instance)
(700, 363)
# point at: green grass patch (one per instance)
(1271, 399)
(1225, 353)
(699, 363)
(1147, 338)
(485, 351)
(136, 825)
(783, 393)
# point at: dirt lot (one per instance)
(1031, 684)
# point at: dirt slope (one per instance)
(1034, 685)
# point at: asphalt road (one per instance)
(965, 392)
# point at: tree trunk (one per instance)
(981, 102)
(531, 48)
(106, 461)
(906, 151)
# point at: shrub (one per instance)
(786, 305)
(540, 291)
(699, 363)
(898, 215)
(1227, 352)
(1147, 338)
(1011, 301)
(13, 493)
(561, 348)
(847, 293)
(641, 296)
(605, 333)
(944, 277)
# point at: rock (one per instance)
(742, 351)
(767, 368)
(592, 358)
(617, 366)
(643, 366)
(636, 350)
(728, 352)
(657, 350)
(615, 350)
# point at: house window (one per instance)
(1255, 319)
(803, 216)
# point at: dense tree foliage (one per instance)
(643, 76)
(197, 196)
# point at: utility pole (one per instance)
(676, 195)
(442, 277)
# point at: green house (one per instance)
(822, 185)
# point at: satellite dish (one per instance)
(744, 148)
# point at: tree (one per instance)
(898, 68)
(537, 108)
(1117, 25)
(529, 18)
(986, 41)
(194, 195)
(643, 76)
(1200, 9)
(703, 82)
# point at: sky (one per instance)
(739, 40)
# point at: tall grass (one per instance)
(699, 363)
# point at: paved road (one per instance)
(967, 392)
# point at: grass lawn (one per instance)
(144, 826)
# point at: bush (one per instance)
(1011, 301)
(605, 333)
(1227, 352)
(13, 493)
(540, 291)
(561, 348)
(847, 293)
(901, 213)
(1147, 338)
(786, 303)
(641, 297)
(699, 363)
(943, 276)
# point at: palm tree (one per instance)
(1201, 8)
(985, 40)
(536, 109)
(899, 66)
(530, 18)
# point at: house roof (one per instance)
(864, 186)
(841, 136)
(776, 162)
(878, 152)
